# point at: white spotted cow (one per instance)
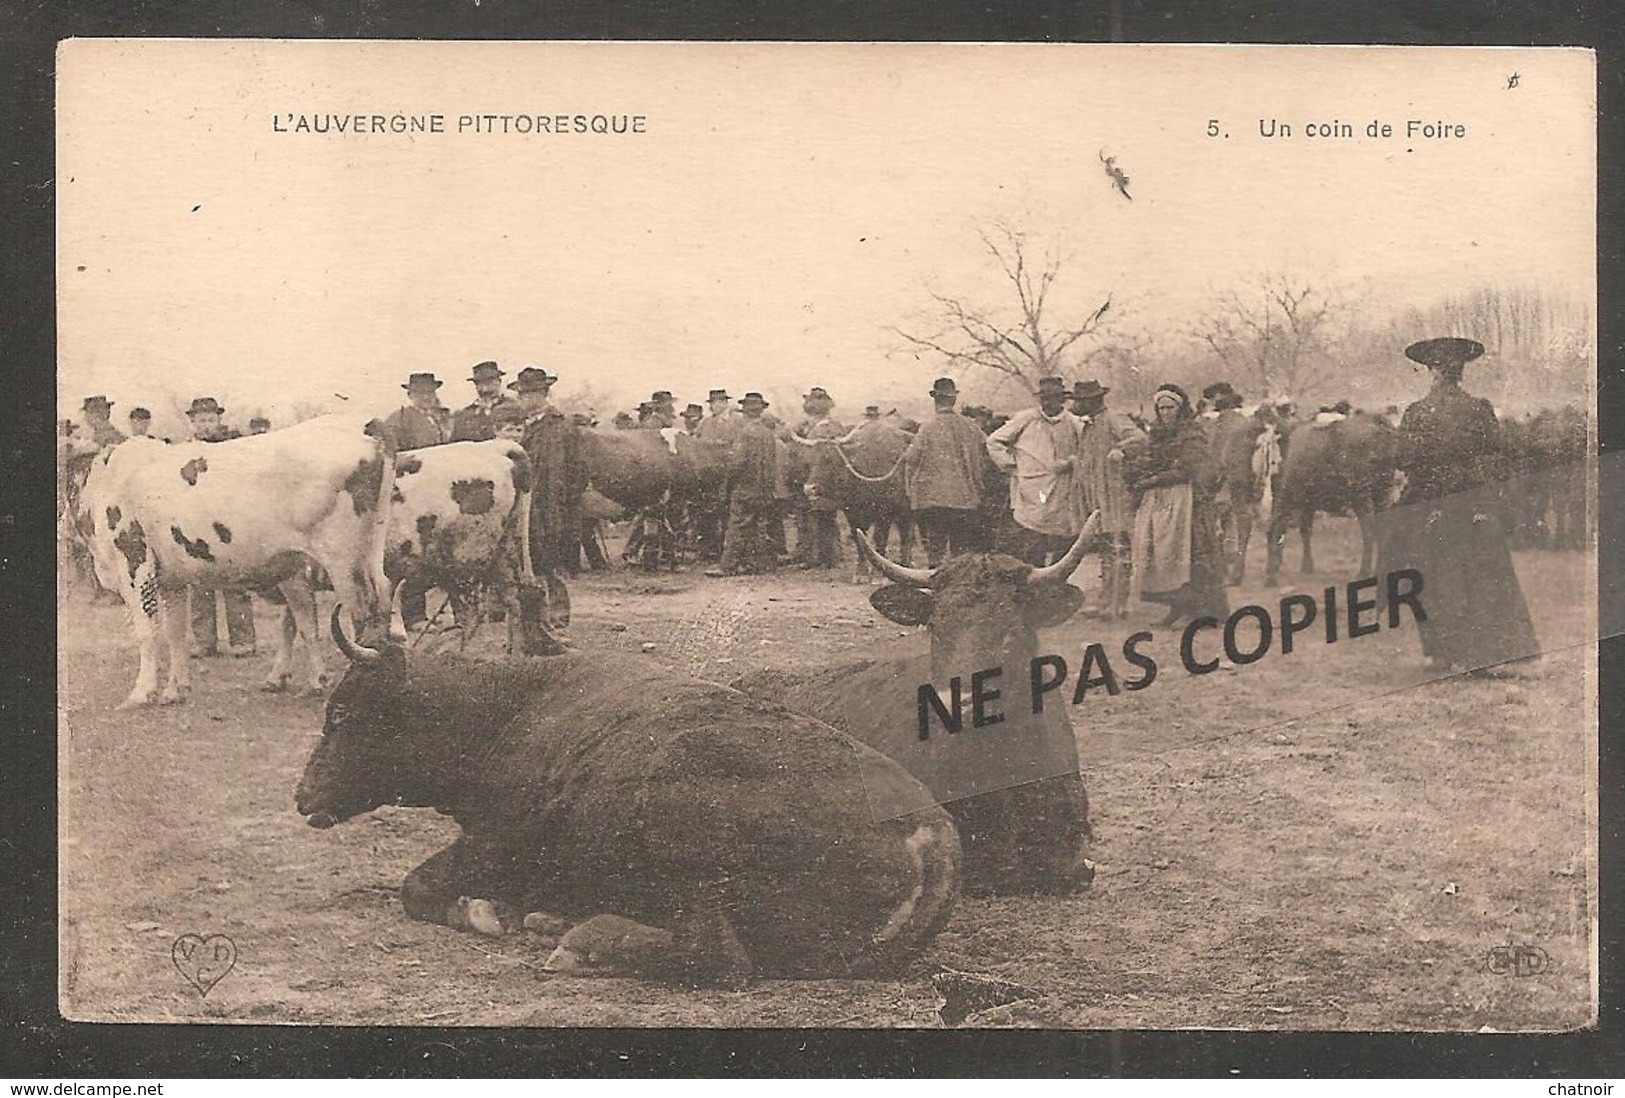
(247, 513)
(454, 524)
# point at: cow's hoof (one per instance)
(548, 926)
(174, 697)
(139, 700)
(480, 916)
(274, 686)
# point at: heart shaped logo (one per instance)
(203, 961)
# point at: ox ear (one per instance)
(1050, 604)
(903, 603)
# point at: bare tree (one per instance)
(1023, 344)
(1277, 335)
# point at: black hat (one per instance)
(1051, 386)
(1089, 390)
(753, 400)
(944, 387)
(1448, 351)
(140, 413)
(661, 396)
(532, 379)
(719, 394)
(205, 404)
(1215, 389)
(421, 381)
(485, 371)
(694, 411)
(257, 420)
(872, 411)
(96, 402)
(818, 393)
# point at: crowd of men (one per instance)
(1023, 484)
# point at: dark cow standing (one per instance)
(1345, 467)
(983, 610)
(864, 478)
(1232, 437)
(736, 834)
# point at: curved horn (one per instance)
(918, 577)
(354, 652)
(397, 620)
(1063, 568)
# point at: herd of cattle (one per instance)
(725, 831)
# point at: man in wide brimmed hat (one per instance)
(1100, 484)
(752, 501)
(709, 510)
(98, 412)
(419, 423)
(205, 417)
(477, 422)
(943, 471)
(1450, 525)
(1038, 450)
(816, 536)
(693, 416)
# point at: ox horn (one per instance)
(1063, 568)
(397, 620)
(917, 577)
(356, 653)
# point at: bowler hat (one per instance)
(719, 394)
(532, 379)
(422, 381)
(140, 413)
(200, 405)
(1448, 351)
(661, 396)
(97, 402)
(944, 387)
(485, 371)
(1051, 386)
(1089, 390)
(694, 411)
(753, 400)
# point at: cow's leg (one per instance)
(276, 679)
(701, 949)
(1276, 547)
(467, 886)
(300, 615)
(144, 619)
(1306, 534)
(1244, 534)
(172, 619)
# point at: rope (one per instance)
(872, 480)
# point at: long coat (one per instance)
(945, 462)
(1099, 483)
(1033, 448)
(1450, 527)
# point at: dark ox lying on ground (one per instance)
(1013, 787)
(735, 835)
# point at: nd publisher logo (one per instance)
(1517, 960)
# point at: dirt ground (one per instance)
(1316, 841)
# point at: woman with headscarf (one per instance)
(1177, 553)
(1449, 525)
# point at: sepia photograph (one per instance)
(1066, 537)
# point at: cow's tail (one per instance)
(933, 851)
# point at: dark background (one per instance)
(35, 1042)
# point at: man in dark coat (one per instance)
(418, 424)
(943, 471)
(558, 477)
(816, 540)
(477, 422)
(748, 546)
(1450, 525)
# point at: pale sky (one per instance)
(785, 207)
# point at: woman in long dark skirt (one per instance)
(1177, 552)
(1450, 525)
